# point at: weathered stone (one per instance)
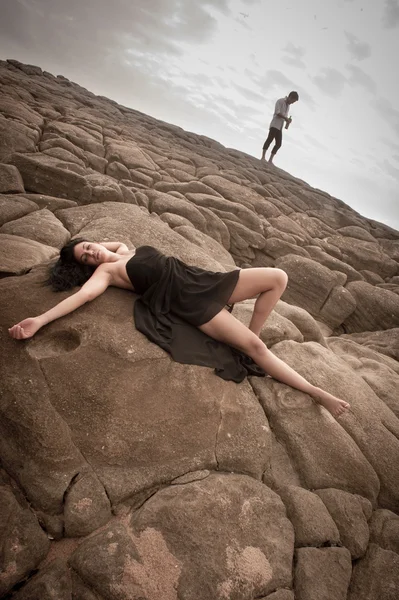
(80, 137)
(160, 203)
(378, 429)
(302, 320)
(53, 581)
(277, 248)
(376, 309)
(280, 595)
(321, 451)
(129, 154)
(47, 175)
(23, 542)
(65, 156)
(117, 170)
(302, 273)
(18, 255)
(365, 255)
(15, 137)
(333, 263)
(339, 305)
(385, 342)
(376, 576)
(312, 523)
(10, 180)
(50, 202)
(244, 215)
(348, 515)
(322, 574)
(208, 244)
(174, 220)
(384, 529)
(86, 506)
(14, 207)
(41, 226)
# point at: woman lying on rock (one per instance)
(181, 308)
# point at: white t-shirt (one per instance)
(282, 107)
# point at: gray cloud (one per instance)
(390, 169)
(249, 94)
(330, 81)
(276, 80)
(359, 77)
(385, 110)
(359, 50)
(393, 146)
(390, 18)
(294, 55)
(92, 30)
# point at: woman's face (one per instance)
(90, 253)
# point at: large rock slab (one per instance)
(14, 207)
(370, 424)
(322, 573)
(376, 308)
(18, 254)
(10, 180)
(44, 174)
(41, 226)
(312, 522)
(23, 542)
(384, 530)
(172, 546)
(376, 576)
(348, 514)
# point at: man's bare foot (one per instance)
(334, 405)
(263, 157)
(270, 160)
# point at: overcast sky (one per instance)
(216, 67)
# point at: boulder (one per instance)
(348, 515)
(176, 539)
(41, 226)
(384, 529)
(18, 254)
(10, 180)
(14, 207)
(376, 575)
(312, 522)
(376, 309)
(23, 542)
(44, 174)
(322, 573)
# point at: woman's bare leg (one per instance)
(266, 283)
(226, 328)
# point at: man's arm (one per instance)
(116, 247)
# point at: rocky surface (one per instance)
(126, 476)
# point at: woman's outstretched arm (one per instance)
(97, 284)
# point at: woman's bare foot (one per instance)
(334, 405)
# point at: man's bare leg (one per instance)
(263, 157)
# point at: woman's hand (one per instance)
(25, 329)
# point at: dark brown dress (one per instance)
(175, 299)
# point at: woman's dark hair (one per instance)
(67, 273)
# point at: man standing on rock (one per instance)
(276, 125)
